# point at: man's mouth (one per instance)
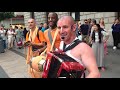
(50, 23)
(63, 37)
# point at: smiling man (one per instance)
(52, 22)
(82, 53)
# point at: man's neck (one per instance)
(53, 27)
(32, 29)
(70, 40)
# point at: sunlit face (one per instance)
(65, 29)
(31, 23)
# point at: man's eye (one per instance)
(59, 27)
(65, 27)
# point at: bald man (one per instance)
(34, 42)
(82, 53)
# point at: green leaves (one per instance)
(6, 15)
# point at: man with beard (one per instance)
(82, 53)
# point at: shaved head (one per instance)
(67, 27)
(70, 19)
(31, 23)
(31, 19)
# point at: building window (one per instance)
(32, 15)
(75, 15)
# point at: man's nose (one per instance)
(61, 30)
(50, 19)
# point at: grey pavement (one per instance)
(12, 64)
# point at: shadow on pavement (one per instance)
(3, 74)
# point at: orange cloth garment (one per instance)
(33, 38)
(57, 41)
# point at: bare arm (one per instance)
(89, 61)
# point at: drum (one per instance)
(61, 65)
(38, 63)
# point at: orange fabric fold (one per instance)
(31, 38)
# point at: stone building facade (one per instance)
(40, 17)
(108, 17)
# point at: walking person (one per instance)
(85, 31)
(2, 33)
(116, 33)
(97, 40)
(18, 37)
(24, 33)
(102, 25)
(10, 34)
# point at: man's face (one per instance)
(45, 25)
(85, 22)
(41, 25)
(52, 19)
(65, 29)
(31, 23)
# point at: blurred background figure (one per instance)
(10, 34)
(45, 27)
(24, 33)
(41, 25)
(102, 26)
(3, 35)
(116, 33)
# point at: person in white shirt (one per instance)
(2, 33)
(97, 37)
(10, 34)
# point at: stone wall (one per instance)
(26, 17)
(40, 17)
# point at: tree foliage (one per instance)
(6, 15)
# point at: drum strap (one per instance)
(75, 43)
(50, 37)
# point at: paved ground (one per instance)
(12, 64)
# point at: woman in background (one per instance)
(96, 37)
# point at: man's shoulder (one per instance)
(82, 45)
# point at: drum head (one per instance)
(36, 60)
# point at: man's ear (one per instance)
(74, 27)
